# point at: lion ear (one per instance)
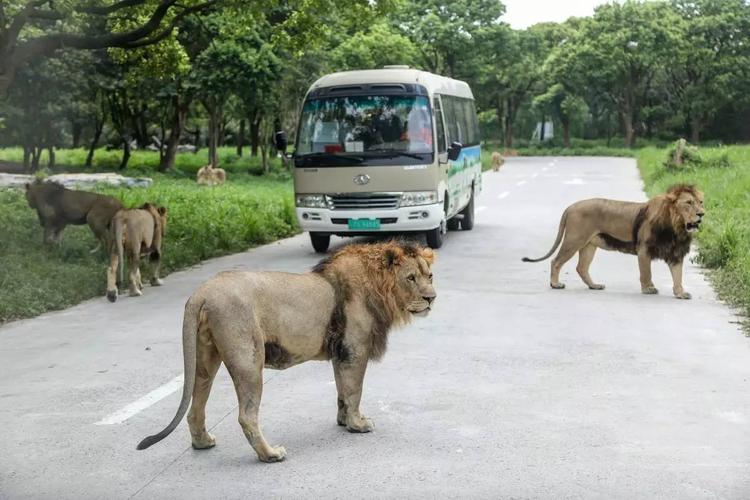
(428, 255)
(393, 257)
(162, 210)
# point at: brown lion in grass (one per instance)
(135, 233)
(660, 228)
(210, 176)
(58, 207)
(341, 311)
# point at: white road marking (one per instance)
(552, 163)
(535, 175)
(575, 181)
(502, 195)
(545, 169)
(141, 404)
(481, 209)
(520, 183)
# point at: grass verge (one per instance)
(203, 222)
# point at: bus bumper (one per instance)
(404, 219)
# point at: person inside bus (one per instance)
(419, 131)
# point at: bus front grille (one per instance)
(355, 201)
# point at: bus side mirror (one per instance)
(454, 150)
(279, 140)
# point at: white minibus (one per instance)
(393, 150)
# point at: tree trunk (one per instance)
(241, 138)
(125, 152)
(566, 133)
(36, 154)
(26, 158)
(695, 130)
(255, 134)
(77, 130)
(51, 157)
(627, 124)
(98, 127)
(175, 132)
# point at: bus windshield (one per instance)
(365, 129)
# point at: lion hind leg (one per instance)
(349, 377)
(585, 257)
(208, 362)
(134, 273)
(568, 249)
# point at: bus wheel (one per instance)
(320, 242)
(435, 237)
(453, 224)
(467, 222)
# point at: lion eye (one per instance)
(430, 278)
(412, 278)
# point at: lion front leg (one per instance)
(679, 292)
(349, 376)
(644, 264)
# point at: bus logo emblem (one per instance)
(361, 179)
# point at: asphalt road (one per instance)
(508, 388)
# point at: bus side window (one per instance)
(440, 127)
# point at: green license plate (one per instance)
(364, 224)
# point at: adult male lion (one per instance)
(660, 228)
(138, 232)
(58, 206)
(341, 311)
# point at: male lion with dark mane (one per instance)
(58, 206)
(341, 311)
(660, 228)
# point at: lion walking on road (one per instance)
(661, 228)
(342, 311)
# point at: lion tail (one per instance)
(560, 232)
(190, 321)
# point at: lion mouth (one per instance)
(421, 312)
(692, 227)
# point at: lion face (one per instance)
(414, 282)
(689, 208)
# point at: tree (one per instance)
(380, 45)
(33, 29)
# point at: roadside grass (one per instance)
(203, 222)
(144, 162)
(724, 238)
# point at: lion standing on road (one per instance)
(497, 161)
(661, 228)
(210, 176)
(342, 311)
(135, 233)
(58, 207)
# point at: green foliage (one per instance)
(204, 222)
(380, 45)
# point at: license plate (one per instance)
(364, 224)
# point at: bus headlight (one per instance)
(413, 198)
(311, 201)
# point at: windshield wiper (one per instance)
(392, 153)
(329, 156)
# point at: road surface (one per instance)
(508, 389)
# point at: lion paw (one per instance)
(649, 290)
(557, 286)
(205, 442)
(134, 292)
(156, 282)
(360, 425)
(596, 286)
(112, 295)
(278, 454)
(683, 295)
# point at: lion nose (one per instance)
(701, 214)
(430, 299)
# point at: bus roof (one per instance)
(434, 83)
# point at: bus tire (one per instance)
(435, 237)
(453, 224)
(320, 242)
(467, 222)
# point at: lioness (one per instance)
(211, 176)
(58, 206)
(341, 311)
(660, 228)
(138, 232)
(497, 161)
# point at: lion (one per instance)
(497, 161)
(661, 228)
(138, 232)
(58, 206)
(210, 176)
(342, 311)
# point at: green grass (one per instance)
(144, 161)
(724, 238)
(203, 222)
